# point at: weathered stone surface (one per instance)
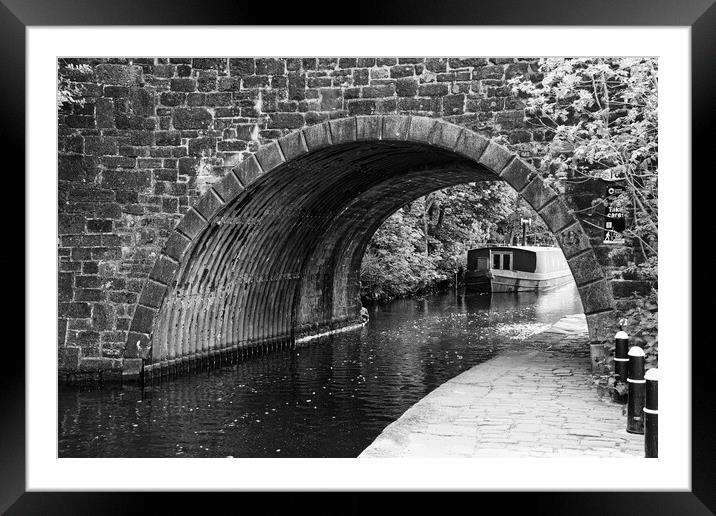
(132, 368)
(269, 156)
(152, 294)
(537, 193)
(369, 128)
(421, 128)
(138, 346)
(626, 288)
(596, 297)
(293, 145)
(192, 118)
(286, 120)
(170, 128)
(603, 326)
(208, 205)
(495, 157)
(573, 240)
(517, 174)
(125, 75)
(69, 358)
(396, 127)
(445, 135)
(229, 187)
(585, 268)
(248, 170)
(556, 215)
(176, 245)
(143, 319)
(317, 136)
(191, 224)
(471, 145)
(343, 130)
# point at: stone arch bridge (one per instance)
(210, 207)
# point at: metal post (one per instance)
(651, 414)
(525, 222)
(637, 385)
(621, 360)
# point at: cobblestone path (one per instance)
(535, 402)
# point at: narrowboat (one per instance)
(516, 269)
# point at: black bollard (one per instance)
(621, 360)
(651, 414)
(636, 393)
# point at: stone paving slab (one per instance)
(535, 402)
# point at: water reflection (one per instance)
(328, 399)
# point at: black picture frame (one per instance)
(17, 15)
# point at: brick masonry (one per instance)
(138, 160)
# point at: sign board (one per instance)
(614, 223)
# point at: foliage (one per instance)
(424, 244)
(641, 319)
(602, 116)
(70, 92)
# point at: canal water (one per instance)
(329, 398)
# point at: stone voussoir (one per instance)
(585, 268)
(556, 214)
(248, 171)
(343, 130)
(209, 204)
(143, 320)
(596, 297)
(421, 128)
(176, 245)
(603, 325)
(192, 223)
(445, 135)
(537, 193)
(573, 240)
(164, 270)
(152, 294)
(269, 156)
(471, 145)
(317, 136)
(396, 127)
(369, 127)
(495, 157)
(229, 187)
(293, 145)
(517, 174)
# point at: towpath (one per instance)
(536, 402)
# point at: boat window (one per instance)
(502, 261)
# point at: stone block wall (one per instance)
(153, 134)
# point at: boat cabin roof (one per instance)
(533, 248)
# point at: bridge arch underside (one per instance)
(283, 259)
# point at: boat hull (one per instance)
(514, 282)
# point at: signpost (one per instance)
(614, 223)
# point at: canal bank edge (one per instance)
(136, 370)
(483, 411)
